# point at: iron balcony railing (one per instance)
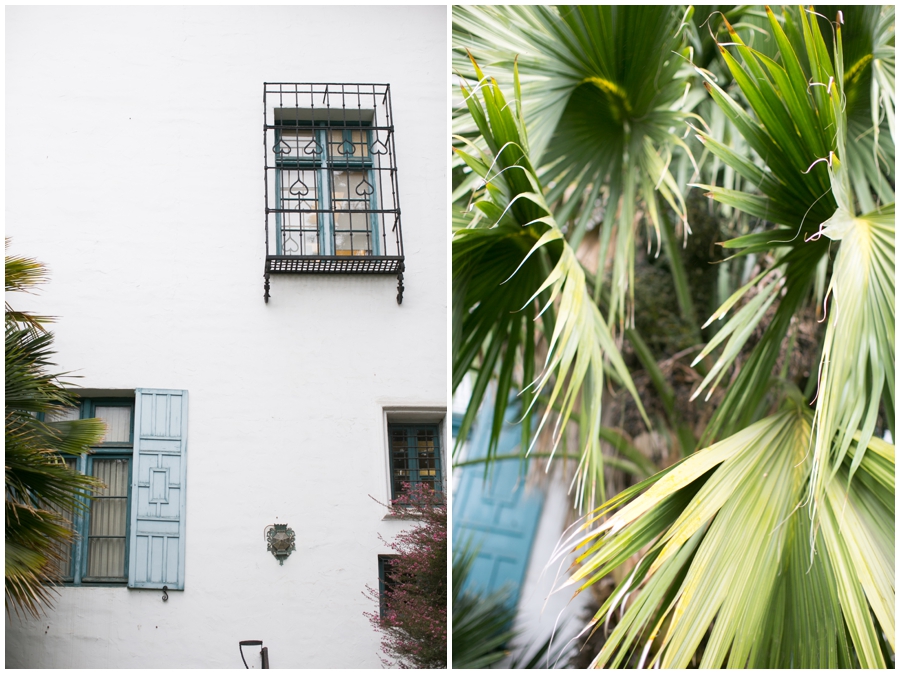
(332, 203)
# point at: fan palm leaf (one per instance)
(40, 488)
(797, 587)
(798, 128)
(834, 184)
(767, 602)
(601, 116)
(599, 125)
(515, 236)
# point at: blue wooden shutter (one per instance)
(497, 515)
(156, 539)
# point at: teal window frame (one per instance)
(325, 166)
(81, 519)
(413, 457)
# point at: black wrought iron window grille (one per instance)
(332, 203)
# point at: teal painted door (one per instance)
(496, 513)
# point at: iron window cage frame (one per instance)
(362, 114)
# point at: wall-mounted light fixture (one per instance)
(280, 541)
(264, 653)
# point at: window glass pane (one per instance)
(114, 474)
(351, 187)
(310, 243)
(348, 145)
(386, 579)
(359, 222)
(343, 147)
(298, 240)
(425, 450)
(399, 458)
(360, 140)
(339, 188)
(300, 221)
(348, 242)
(297, 144)
(350, 192)
(300, 228)
(118, 422)
(299, 190)
(360, 243)
(342, 222)
(342, 244)
(109, 513)
(106, 558)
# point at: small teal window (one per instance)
(99, 553)
(326, 187)
(415, 456)
(386, 580)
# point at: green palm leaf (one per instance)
(795, 587)
(40, 487)
(803, 125)
(800, 123)
(755, 591)
(601, 116)
(515, 237)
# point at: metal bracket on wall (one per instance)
(400, 284)
(165, 596)
(266, 287)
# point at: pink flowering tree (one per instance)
(412, 615)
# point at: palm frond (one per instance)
(515, 237)
(857, 371)
(764, 601)
(600, 116)
(777, 594)
(40, 487)
(23, 273)
(800, 130)
(815, 187)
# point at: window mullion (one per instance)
(369, 167)
(326, 223)
(412, 443)
(279, 196)
(79, 552)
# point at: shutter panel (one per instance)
(496, 514)
(156, 538)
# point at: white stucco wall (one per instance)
(134, 171)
